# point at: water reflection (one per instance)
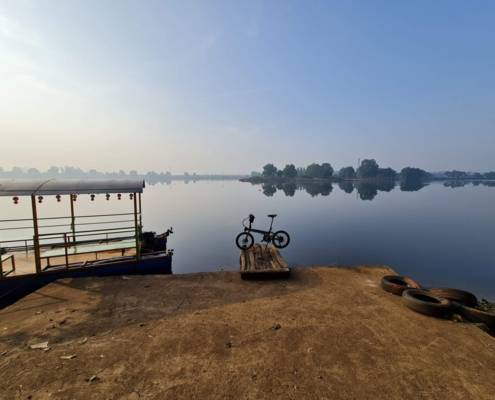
(366, 190)
(269, 190)
(459, 184)
(320, 188)
(157, 179)
(412, 186)
(289, 189)
(456, 184)
(346, 186)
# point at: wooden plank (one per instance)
(261, 260)
(243, 261)
(251, 259)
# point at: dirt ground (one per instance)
(326, 333)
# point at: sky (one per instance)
(227, 86)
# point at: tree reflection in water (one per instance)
(346, 186)
(412, 185)
(320, 188)
(289, 189)
(269, 190)
(367, 190)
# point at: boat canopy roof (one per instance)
(53, 187)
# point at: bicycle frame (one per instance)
(262, 232)
(246, 229)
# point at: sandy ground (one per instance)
(326, 333)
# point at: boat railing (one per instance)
(27, 243)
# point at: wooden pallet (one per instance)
(263, 261)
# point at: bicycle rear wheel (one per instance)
(244, 240)
(281, 239)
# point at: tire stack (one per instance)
(439, 302)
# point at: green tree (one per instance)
(33, 173)
(386, 173)
(456, 175)
(367, 169)
(410, 174)
(269, 170)
(17, 172)
(347, 173)
(313, 170)
(290, 171)
(53, 171)
(324, 170)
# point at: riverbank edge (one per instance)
(326, 332)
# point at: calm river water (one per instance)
(439, 235)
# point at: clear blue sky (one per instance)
(226, 86)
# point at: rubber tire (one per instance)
(423, 302)
(396, 284)
(283, 233)
(239, 237)
(475, 315)
(461, 297)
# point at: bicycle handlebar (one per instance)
(250, 218)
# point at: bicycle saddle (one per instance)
(271, 215)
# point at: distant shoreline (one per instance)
(303, 180)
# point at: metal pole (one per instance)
(140, 213)
(73, 218)
(1, 263)
(36, 238)
(66, 253)
(136, 228)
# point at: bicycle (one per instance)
(245, 240)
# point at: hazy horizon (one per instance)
(226, 87)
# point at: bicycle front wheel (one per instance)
(244, 240)
(281, 239)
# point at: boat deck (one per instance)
(25, 261)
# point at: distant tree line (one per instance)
(324, 170)
(69, 172)
(367, 170)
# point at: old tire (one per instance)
(396, 284)
(423, 302)
(475, 315)
(458, 296)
